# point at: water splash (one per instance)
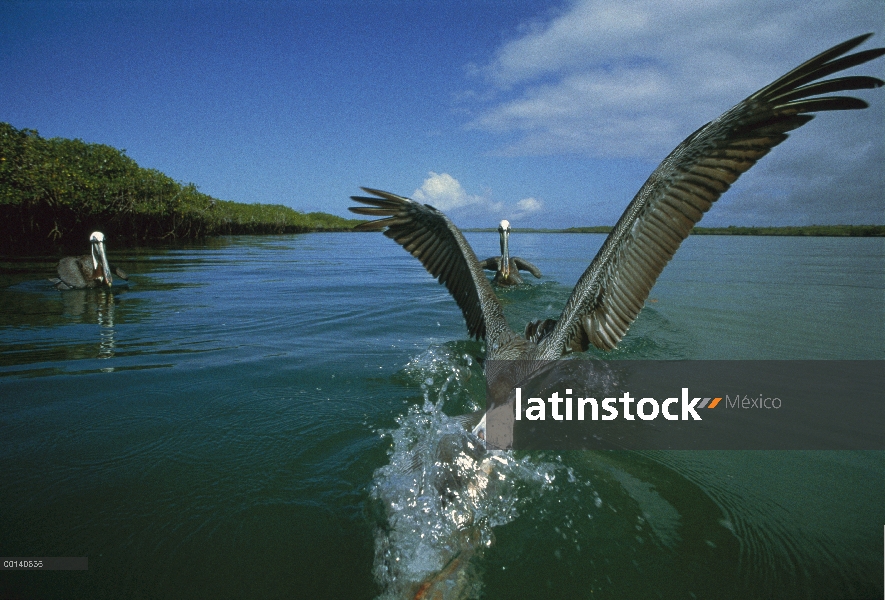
(441, 495)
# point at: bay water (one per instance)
(241, 420)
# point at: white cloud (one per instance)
(632, 78)
(615, 115)
(527, 206)
(445, 193)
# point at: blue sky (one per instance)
(549, 114)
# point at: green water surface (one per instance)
(216, 428)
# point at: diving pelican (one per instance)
(87, 271)
(611, 292)
(507, 268)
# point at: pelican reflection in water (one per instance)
(87, 271)
(507, 268)
(95, 306)
(612, 290)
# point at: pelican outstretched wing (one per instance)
(491, 264)
(428, 235)
(524, 265)
(119, 272)
(613, 289)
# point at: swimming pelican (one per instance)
(507, 268)
(610, 294)
(87, 271)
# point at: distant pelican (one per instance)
(507, 268)
(613, 289)
(87, 271)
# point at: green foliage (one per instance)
(596, 229)
(808, 230)
(58, 190)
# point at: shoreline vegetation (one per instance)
(791, 230)
(54, 192)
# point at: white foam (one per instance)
(441, 493)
